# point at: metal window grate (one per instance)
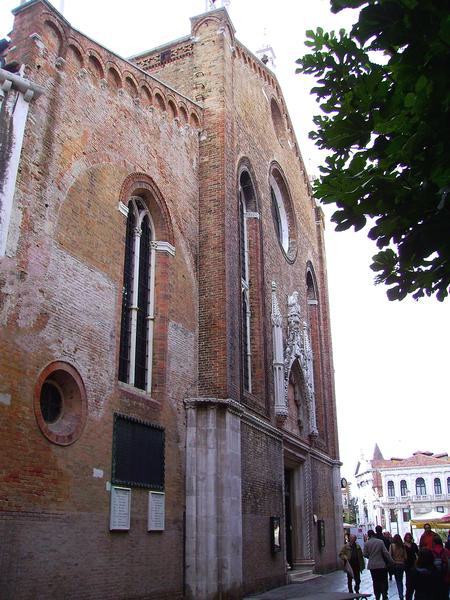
(138, 453)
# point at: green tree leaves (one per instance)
(384, 95)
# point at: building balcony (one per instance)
(415, 498)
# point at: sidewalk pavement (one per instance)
(318, 588)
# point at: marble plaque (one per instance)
(120, 509)
(156, 511)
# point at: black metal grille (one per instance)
(127, 291)
(138, 453)
(142, 313)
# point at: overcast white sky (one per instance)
(390, 359)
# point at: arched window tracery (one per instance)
(136, 335)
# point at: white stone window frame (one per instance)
(140, 214)
(437, 485)
(417, 486)
(284, 241)
(390, 489)
(155, 246)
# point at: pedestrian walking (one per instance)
(426, 583)
(397, 551)
(440, 561)
(412, 552)
(426, 539)
(354, 564)
(380, 536)
(379, 561)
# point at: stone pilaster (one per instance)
(213, 499)
(337, 507)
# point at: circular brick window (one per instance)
(60, 403)
(283, 217)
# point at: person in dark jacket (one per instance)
(352, 553)
(426, 582)
(412, 552)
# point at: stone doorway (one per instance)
(288, 515)
(297, 514)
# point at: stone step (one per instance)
(301, 574)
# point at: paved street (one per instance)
(333, 582)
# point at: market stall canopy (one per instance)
(434, 518)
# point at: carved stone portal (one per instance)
(298, 347)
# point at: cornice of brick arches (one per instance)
(106, 68)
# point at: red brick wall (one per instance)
(322, 483)
(61, 300)
(98, 124)
(262, 498)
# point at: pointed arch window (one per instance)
(314, 325)
(245, 195)
(136, 333)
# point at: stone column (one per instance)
(309, 549)
(338, 520)
(213, 499)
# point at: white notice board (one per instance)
(120, 511)
(156, 511)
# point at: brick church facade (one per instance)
(167, 412)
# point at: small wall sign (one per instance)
(120, 511)
(321, 531)
(156, 511)
(275, 534)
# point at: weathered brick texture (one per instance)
(106, 129)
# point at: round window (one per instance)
(60, 404)
(283, 216)
(51, 401)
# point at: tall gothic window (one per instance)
(316, 346)
(403, 488)
(136, 333)
(245, 191)
(421, 489)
